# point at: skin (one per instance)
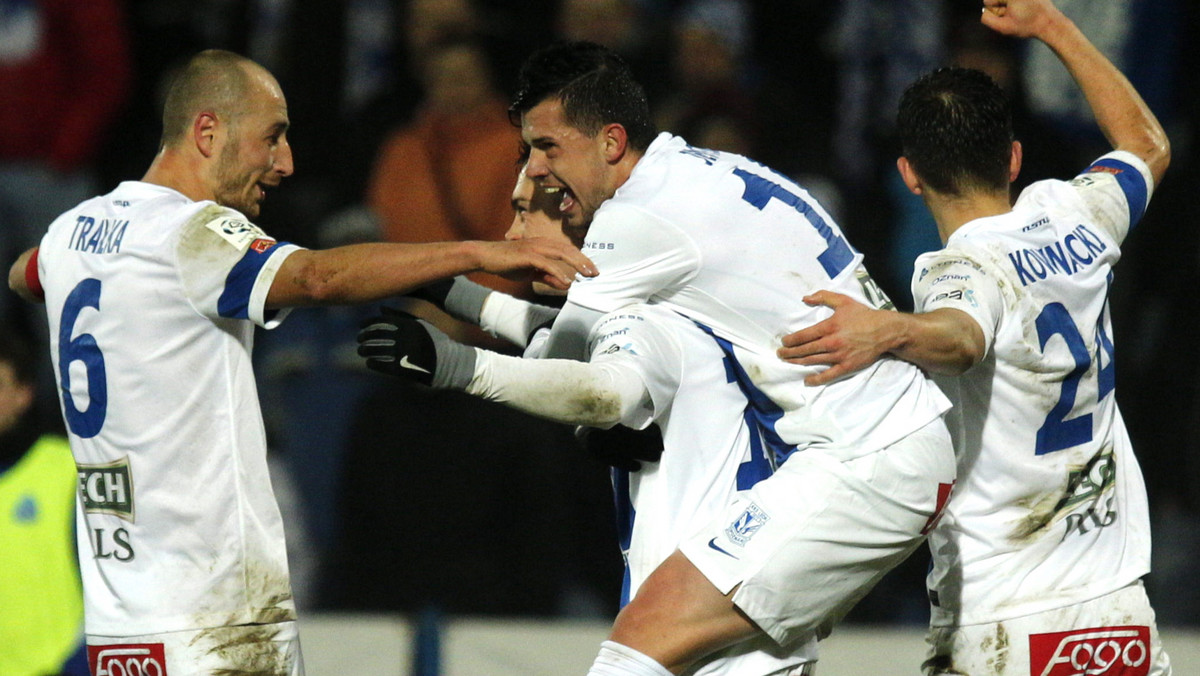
(588, 167)
(948, 341)
(15, 397)
(536, 214)
(234, 159)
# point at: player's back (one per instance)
(1050, 506)
(735, 247)
(164, 422)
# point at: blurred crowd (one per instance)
(400, 500)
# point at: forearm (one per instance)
(944, 341)
(565, 391)
(362, 273)
(1124, 118)
(18, 280)
(513, 319)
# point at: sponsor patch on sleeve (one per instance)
(241, 234)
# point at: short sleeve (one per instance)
(629, 340)
(1115, 190)
(227, 265)
(953, 279)
(638, 255)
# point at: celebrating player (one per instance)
(153, 292)
(731, 245)
(1047, 535)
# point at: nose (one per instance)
(283, 159)
(536, 166)
(516, 230)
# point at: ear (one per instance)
(910, 177)
(616, 142)
(204, 133)
(1014, 161)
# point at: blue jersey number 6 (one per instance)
(83, 348)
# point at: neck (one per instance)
(172, 170)
(951, 212)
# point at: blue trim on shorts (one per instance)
(625, 517)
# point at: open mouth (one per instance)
(566, 199)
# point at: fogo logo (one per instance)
(134, 659)
(1102, 651)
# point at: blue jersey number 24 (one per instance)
(1057, 433)
(83, 348)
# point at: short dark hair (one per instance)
(595, 86)
(955, 127)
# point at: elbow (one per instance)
(1159, 156)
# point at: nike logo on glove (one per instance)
(713, 543)
(405, 363)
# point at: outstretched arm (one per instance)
(946, 340)
(1123, 116)
(361, 273)
(566, 391)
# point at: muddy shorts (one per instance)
(1114, 635)
(266, 649)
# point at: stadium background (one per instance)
(401, 502)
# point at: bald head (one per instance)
(214, 81)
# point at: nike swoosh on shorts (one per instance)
(713, 543)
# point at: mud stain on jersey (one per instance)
(1042, 514)
(245, 651)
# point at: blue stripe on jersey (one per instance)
(234, 302)
(759, 466)
(761, 411)
(1131, 182)
(625, 516)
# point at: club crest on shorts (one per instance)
(745, 526)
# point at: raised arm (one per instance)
(361, 273)
(945, 341)
(1123, 116)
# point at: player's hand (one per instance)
(1019, 18)
(555, 263)
(400, 345)
(622, 447)
(851, 340)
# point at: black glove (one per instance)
(458, 297)
(400, 345)
(622, 447)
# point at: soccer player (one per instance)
(733, 246)
(650, 366)
(153, 292)
(1038, 559)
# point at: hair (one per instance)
(595, 86)
(955, 128)
(215, 80)
(15, 350)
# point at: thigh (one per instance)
(1114, 635)
(272, 649)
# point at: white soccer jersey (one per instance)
(148, 296)
(712, 449)
(735, 246)
(1050, 508)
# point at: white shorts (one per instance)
(811, 540)
(1114, 635)
(268, 649)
